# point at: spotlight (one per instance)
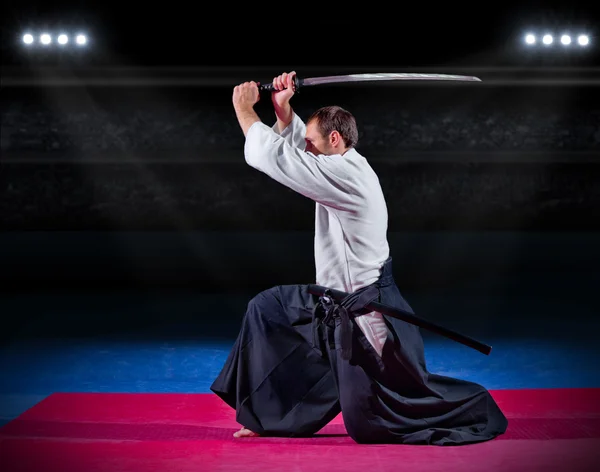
(28, 38)
(547, 39)
(583, 40)
(63, 39)
(45, 39)
(565, 39)
(81, 39)
(530, 39)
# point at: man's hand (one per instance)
(284, 91)
(245, 96)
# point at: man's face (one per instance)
(315, 142)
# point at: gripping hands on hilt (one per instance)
(281, 83)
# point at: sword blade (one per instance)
(339, 79)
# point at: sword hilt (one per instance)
(269, 87)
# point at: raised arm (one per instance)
(289, 125)
(284, 91)
(323, 179)
(246, 95)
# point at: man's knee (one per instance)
(295, 295)
(263, 303)
(279, 304)
(361, 430)
(362, 426)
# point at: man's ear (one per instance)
(335, 138)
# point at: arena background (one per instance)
(134, 233)
(145, 187)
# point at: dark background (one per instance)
(294, 34)
(122, 164)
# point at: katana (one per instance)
(343, 79)
(406, 316)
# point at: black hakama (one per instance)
(300, 359)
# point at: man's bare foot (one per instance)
(245, 433)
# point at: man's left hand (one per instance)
(245, 95)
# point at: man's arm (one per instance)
(283, 86)
(324, 179)
(320, 178)
(288, 125)
(246, 117)
(284, 114)
(246, 95)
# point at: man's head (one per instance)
(331, 130)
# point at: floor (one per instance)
(103, 398)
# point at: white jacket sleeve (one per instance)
(324, 179)
(294, 133)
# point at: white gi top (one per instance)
(351, 217)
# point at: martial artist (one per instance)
(300, 359)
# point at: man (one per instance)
(301, 359)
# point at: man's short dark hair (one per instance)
(335, 118)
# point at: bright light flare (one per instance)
(583, 40)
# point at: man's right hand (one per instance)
(284, 89)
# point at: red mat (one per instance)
(549, 430)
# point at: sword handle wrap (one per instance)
(269, 87)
